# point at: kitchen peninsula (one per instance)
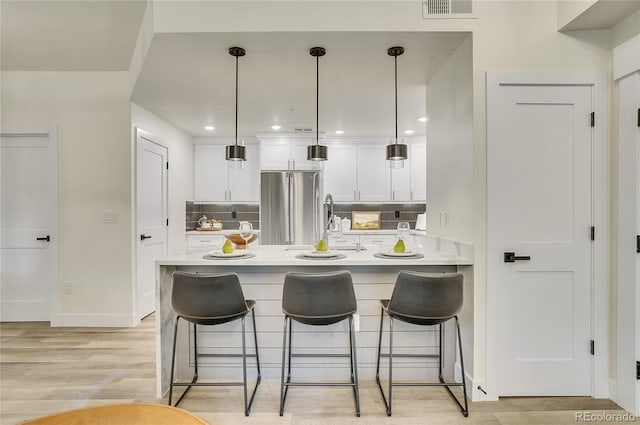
(262, 278)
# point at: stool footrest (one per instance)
(427, 384)
(224, 355)
(319, 384)
(207, 384)
(319, 355)
(431, 356)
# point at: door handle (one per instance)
(47, 238)
(143, 237)
(510, 257)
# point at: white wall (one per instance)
(450, 147)
(180, 147)
(507, 35)
(92, 115)
(568, 10)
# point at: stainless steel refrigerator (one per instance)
(290, 207)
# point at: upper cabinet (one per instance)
(285, 152)
(409, 183)
(216, 181)
(418, 160)
(340, 172)
(356, 172)
(359, 172)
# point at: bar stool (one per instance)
(423, 299)
(318, 299)
(212, 299)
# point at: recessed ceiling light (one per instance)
(275, 127)
(209, 127)
(339, 131)
(422, 119)
(408, 132)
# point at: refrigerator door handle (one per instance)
(287, 208)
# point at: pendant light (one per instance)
(236, 152)
(317, 152)
(396, 152)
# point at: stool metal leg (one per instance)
(354, 365)
(173, 358)
(244, 368)
(384, 398)
(464, 409)
(284, 348)
(259, 377)
(195, 363)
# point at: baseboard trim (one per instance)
(96, 320)
(24, 311)
(473, 391)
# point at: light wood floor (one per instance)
(45, 370)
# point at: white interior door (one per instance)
(28, 241)
(152, 216)
(539, 206)
(637, 328)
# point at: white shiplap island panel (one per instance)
(262, 278)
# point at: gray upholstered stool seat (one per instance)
(423, 299)
(212, 299)
(318, 299)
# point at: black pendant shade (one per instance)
(396, 151)
(236, 152)
(317, 152)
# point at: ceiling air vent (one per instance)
(447, 9)
(302, 129)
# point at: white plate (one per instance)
(221, 254)
(398, 254)
(320, 254)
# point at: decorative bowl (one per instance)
(237, 239)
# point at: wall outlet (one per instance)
(109, 217)
(68, 288)
(444, 218)
(356, 322)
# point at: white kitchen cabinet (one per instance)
(373, 173)
(199, 242)
(356, 173)
(380, 240)
(340, 172)
(244, 183)
(343, 240)
(409, 183)
(418, 168)
(286, 154)
(214, 181)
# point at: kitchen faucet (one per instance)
(328, 215)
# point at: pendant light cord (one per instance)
(317, 99)
(237, 101)
(395, 61)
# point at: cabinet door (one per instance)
(244, 183)
(401, 180)
(299, 156)
(211, 175)
(386, 241)
(199, 242)
(419, 171)
(373, 173)
(275, 154)
(340, 175)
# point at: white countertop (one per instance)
(279, 255)
(216, 232)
